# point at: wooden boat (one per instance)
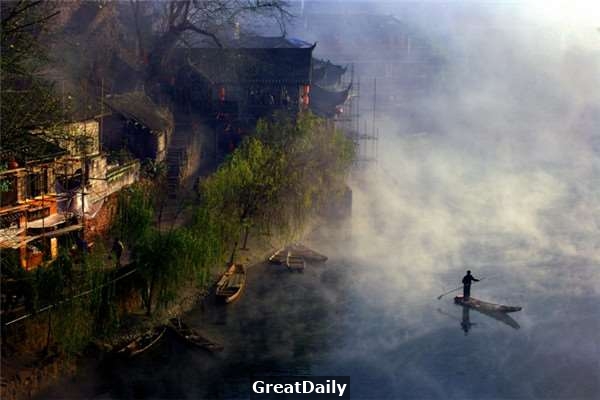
(484, 305)
(295, 263)
(279, 257)
(309, 255)
(297, 250)
(231, 284)
(497, 311)
(142, 342)
(192, 336)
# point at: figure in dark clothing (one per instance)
(468, 278)
(118, 248)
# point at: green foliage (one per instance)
(236, 194)
(275, 180)
(154, 170)
(5, 184)
(26, 99)
(279, 178)
(77, 300)
(135, 214)
(165, 259)
(121, 156)
(82, 301)
(51, 281)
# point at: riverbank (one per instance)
(29, 374)
(280, 316)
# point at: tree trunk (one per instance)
(233, 254)
(150, 295)
(49, 335)
(246, 238)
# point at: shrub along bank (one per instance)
(272, 184)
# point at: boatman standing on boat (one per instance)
(468, 278)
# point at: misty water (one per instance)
(371, 312)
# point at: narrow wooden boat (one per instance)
(490, 311)
(297, 250)
(142, 342)
(484, 305)
(295, 263)
(231, 284)
(279, 257)
(192, 336)
(309, 255)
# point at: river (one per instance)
(384, 329)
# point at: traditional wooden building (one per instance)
(383, 48)
(53, 182)
(248, 82)
(138, 125)
(29, 218)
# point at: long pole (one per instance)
(101, 115)
(44, 185)
(374, 110)
(374, 105)
(83, 182)
(455, 289)
(448, 292)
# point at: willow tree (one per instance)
(165, 259)
(243, 187)
(279, 178)
(316, 162)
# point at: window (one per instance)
(8, 191)
(37, 184)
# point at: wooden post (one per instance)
(246, 238)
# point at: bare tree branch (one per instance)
(36, 22)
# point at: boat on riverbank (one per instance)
(192, 336)
(142, 342)
(295, 263)
(279, 256)
(308, 254)
(484, 305)
(297, 250)
(231, 284)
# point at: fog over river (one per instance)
(506, 184)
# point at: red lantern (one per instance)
(222, 93)
(304, 97)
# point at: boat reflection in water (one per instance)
(466, 323)
(497, 315)
(497, 311)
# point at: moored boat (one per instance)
(193, 337)
(142, 342)
(296, 250)
(309, 255)
(279, 256)
(231, 284)
(295, 263)
(484, 305)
